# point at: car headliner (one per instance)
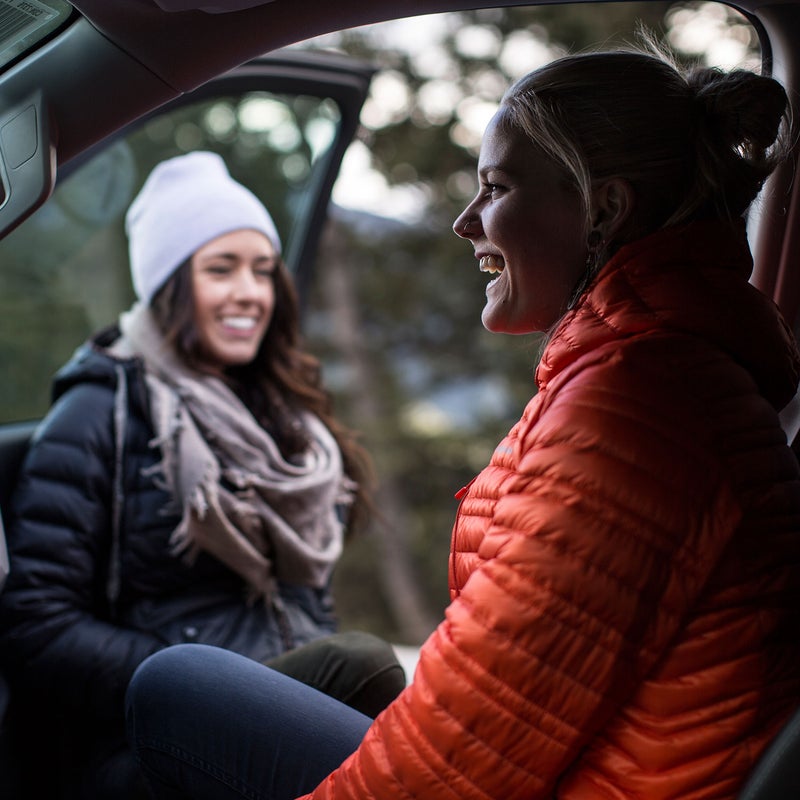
(187, 48)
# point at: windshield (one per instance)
(25, 22)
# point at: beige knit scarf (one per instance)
(263, 516)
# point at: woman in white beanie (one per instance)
(190, 484)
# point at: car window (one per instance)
(52, 296)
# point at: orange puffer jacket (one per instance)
(625, 574)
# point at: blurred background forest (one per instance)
(394, 308)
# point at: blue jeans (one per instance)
(208, 723)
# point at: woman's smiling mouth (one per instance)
(243, 324)
(492, 264)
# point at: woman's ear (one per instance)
(613, 201)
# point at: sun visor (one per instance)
(219, 7)
(27, 160)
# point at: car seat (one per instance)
(9, 774)
(14, 441)
(777, 774)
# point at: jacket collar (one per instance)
(691, 280)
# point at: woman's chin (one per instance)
(490, 321)
(496, 320)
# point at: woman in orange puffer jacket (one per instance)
(625, 574)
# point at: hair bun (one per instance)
(744, 109)
(739, 136)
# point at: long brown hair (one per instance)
(281, 380)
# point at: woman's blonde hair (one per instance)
(693, 144)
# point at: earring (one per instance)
(594, 246)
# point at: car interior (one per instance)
(88, 89)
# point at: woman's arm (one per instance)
(56, 637)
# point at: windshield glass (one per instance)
(25, 22)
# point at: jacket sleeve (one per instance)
(55, 636)
(603, 535)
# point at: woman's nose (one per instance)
(245, 285)
(467, 225)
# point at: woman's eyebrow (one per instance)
(499, 168)
(230, 256)
(219, 254)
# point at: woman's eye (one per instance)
(218, 269)
(265, 268)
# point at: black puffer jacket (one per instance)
(87, 599)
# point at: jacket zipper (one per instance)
(459, 495)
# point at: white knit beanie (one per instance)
(185, 203)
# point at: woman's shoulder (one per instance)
(95, 373)
(641, 399)
(86, 389)
(91, 363)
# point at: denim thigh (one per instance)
(208, 723)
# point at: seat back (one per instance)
(777, 774)
(14, 441)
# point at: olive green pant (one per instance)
(356, 668)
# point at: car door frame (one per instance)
(341, 78)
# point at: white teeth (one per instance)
(492, 264)
(240, 323)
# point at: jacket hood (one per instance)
(91, 363)
(691, 280)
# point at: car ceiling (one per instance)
(187, 48)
